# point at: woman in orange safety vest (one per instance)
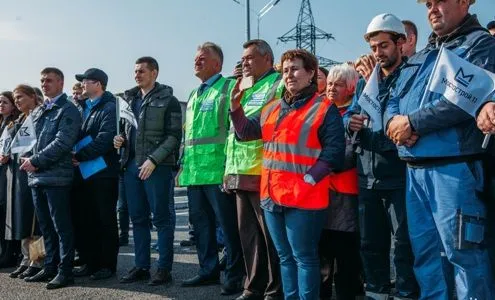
(303, 142)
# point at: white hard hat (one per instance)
(470, 2)
(385, 23)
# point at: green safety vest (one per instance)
(206, 130)
(246, 157)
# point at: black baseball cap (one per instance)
(93, 74)
(490, 25)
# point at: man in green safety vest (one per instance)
(242, 176)
(202, 170)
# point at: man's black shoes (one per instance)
(135, 274)
(60, 281)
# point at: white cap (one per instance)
(470, 2)
(385, 23)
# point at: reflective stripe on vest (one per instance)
(205, 135)
(291, 147)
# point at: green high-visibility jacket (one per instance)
(245, 158)
(206, 130)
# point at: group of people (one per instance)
(281, 158)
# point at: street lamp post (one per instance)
(248, 21)
(260, 15)
(264, 11)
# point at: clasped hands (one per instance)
(400, 132)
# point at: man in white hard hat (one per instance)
(446, 206)
(382, 182)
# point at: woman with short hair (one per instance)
(303, 142)
(340, 239)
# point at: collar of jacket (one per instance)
(158, 90)
(60, 101)
(302, 97)
(105, 97)
(469, 24)
(266, 74)
(390, 79)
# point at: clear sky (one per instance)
(111, 34)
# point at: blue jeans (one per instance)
(443, 205)
(152, 195)
(296, 234)
(52, 205)
(207, 205)
(382, 213)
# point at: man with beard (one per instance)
(382, 175)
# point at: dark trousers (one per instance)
(77, 201)
(382, 213)
(343, 248)
(490, 217)
(260, 256)
(153, 195)
(206, 205)
(99, 243)
(122, 210)
(52, 205)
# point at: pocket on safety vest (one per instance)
(288, 189)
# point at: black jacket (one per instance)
(159, 127)
(101, 125)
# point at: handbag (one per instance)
(36, 245)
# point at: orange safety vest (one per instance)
(345, 182)
(290, 148)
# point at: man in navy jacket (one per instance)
(50, 172)
(98, 232)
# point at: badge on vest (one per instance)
(207, 105)
(257, 99)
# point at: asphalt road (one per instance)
(185, 266)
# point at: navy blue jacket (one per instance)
(445, 130)
(57, 129)
(101, 125)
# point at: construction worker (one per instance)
(381, 175)
(445, 180)
(202, 169)
(242, 175)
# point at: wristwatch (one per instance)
(309, 179)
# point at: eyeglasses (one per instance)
(86, 81)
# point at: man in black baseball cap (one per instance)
(96, 192)
(95, 75)
(491, 27)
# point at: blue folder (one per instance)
(90, 167)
